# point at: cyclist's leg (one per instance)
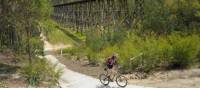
(113, 72)
(110, 71)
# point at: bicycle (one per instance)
(119, 79)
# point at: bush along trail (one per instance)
(71, 79)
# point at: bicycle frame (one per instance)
(114, 76)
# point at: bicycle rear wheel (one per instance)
(104, 79)
(121, 81)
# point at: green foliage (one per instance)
(92, 56)
(72, 51)
(156, 17)
(119, 34)
(187, 14)
(44, 8)
(165, 16)
(80, 36)
(36, 46)
(40, 70)
(98, 42)
(77, 51)
(17, 27)
(54, 34)
(185, 50)
(161, 46)
(95, 41)
(173, 51)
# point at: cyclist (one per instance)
(110, 63)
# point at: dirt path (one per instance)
(188, 78)
(71, 79)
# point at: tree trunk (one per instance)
(28, 41)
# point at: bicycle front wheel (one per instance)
(121, 81)
(104, 79)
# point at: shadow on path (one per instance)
(108, 86)
(6, 71)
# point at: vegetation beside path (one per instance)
(20, 44)
(167, 36)
(175, 51)
(79, 38)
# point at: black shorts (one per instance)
(110, 66)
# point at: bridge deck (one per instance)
(74, 2)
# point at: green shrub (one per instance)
(126, 51)
(40, 70)
(118, 36)
(165, 53)
(72, 51)
(95, 41)
(93, 57)
(37, 46)
(134, 47)
(185, 50)
(159, 52)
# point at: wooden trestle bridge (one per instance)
(82, 15)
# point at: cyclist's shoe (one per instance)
(111, 80)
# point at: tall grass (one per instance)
(173, 51)
(54, 34)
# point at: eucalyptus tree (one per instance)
(166, 16)
(20, 24)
